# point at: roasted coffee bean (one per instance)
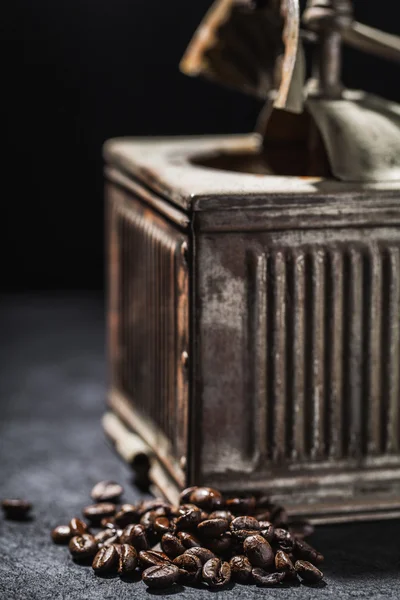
(96, 512)
(189, 568)
(105, 560)
(212, 528)
(242, 527)
(308, 571)
(263, 578)
(304, 551)
(284, 564)
(279, 516)
(152, 558)
(77, 526)
(16, 509)
(115, 539)
(245, 522)
(221, 544)
(221, 514)
(127, 515)
(202, 553)
(263, 516)
(301, 529)
(189, 519)
(108, 523)
(241, 506)
(267, 530)
(240, 568)
(258, 551)
(160, 576)
(83, 547)
(172, 545)
(135, 535)
(284, 540)
(106, 491)
(216, 572)
(186, 493)
(263, 502)
(188, 540)
(206, 498)
(162, 525)
(61, 534)
(154, 504)
(148, 519)
(127, 559)
(104, 535)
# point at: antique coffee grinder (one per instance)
(254, 281)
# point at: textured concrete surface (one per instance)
(52, 450)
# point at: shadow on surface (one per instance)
(359, 549)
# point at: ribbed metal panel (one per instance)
(330, 321)
(148, 366)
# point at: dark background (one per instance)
(81, 71)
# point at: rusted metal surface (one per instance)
(149, 323)
(251, 46)
(285, 329)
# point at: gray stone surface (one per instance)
(52, 450)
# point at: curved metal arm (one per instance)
(371, 40)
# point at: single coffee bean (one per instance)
(284, 564)
(263, 578)
(189, 519)
(206, 498)
(202, 553)
(61, 534)
(284, 539)
(258, 551)
(108, 523)
(212, 528)
(263, 502)
(135, 535)
(263, 516)
(301, 529)
(267, 530)
(172, 545)
(221, 544)
(241, 506)
(96, 512)
(279, 516)
(113, 540)
(127, 515)
(160, 576)
(147, 519)
(185, 494)
(188, 540)
(240, 568)
(104, 535)
(162, 525)
(16, 509)
(127, 559)
(152, 558)
(189, 568)
(304, 551)
(221, 514)
(308, 571)
(154, 504)
(216, 572)
(105, 560)
(77, 526)
(83, 547)
(106, 491)
(245, 522)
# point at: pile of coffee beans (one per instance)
(207, 538)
